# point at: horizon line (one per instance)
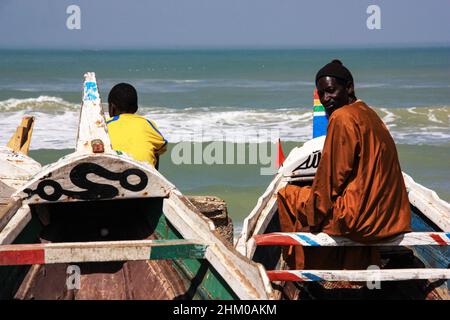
(239, 47)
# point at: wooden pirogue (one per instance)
(415, 265)
(99, 225)
(16, 168)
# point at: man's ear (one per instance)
(111, 109)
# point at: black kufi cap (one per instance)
(335, 69)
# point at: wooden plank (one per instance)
(269, 210)
(252, 219)
(240, 273)
(49, 253)
(20, 141)
(266, 216)
(324, 240)
(15, 225)
(8, 211)
(205, 282)
(431, 256)
(5, 192)
(299, 174)
(358, 275)
(429, 203)
(92, 125)
(298, 179)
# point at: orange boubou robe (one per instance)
(358, 192)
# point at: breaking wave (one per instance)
(57, 120)
(42, 103)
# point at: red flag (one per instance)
(316, 94)
(280, 155)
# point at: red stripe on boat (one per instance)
(274, 240)
(438, 239)
(283, 276)
(22, 257)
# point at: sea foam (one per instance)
(57, 120)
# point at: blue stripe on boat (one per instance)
(311, 276)
(307, 240)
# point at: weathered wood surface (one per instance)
(92, 125)
(267, 213)
(7, 212)
(265, 206)
(78, 177)
(429, 203)
(215, 209)
(324, 240)
(100, 251)
(108, 221)
(15, 225)
(358, 275)
(152, 279)
(20, 141)
(241, 274)
(47, 281)
(5, 193)
(131, 280)
(16, 168)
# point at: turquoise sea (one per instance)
(231, 95)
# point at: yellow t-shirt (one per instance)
(137, 136)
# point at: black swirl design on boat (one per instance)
(93, 190)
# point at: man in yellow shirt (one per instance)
(129, 132)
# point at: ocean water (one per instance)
(232, 95)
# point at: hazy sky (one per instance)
(221, 23)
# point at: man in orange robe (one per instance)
(358, 191)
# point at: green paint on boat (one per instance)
(180, 251)
(203, 280)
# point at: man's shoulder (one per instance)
(126, 117)
(143, 122)
(112, 119)
(352, 112)
(141, 119)
(128, 124)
